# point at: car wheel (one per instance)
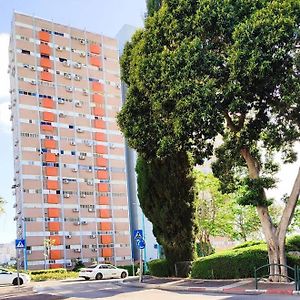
(123, 275)
(99, 276)
(15, 281)
(87, 278)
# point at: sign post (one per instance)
(20, 244)
(140, 242)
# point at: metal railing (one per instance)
(295, 270)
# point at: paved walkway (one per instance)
(241, 286)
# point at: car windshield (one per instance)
(93, 266)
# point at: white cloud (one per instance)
(5, 113)
(4, 86)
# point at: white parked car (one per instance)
(8, 277)
(101, 271)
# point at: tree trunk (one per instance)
(275, 237)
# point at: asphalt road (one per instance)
(115, 290)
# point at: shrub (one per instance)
(78, 265)
(53, 276)
(249, 244)
(159, 268)
(293, 243)
(237, 263)
(48, 271)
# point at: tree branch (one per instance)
(233, 127)
(289, 209)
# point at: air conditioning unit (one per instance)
(59, 48)
(29, 251)
(90, 170)
(77, 223)
(94, 249)
(73, 143)
(89, 182)
(82, 54)
(68, 236)
(66, 181)
(26, 66)
(74, 170)
(15, 218)
(78, 104)
(69, 264)
(15, 205)
(33, 68)
(68, 76)
(85, 92)
(92, 236)
(18, 212)
(84, 222)
(75, 210)
(91, 209)
(82, 157)
(61, 101)
(82, 195)
(77, 65)
(80, 130)
(66, 63)
(77, 250)
(69, 89)
(83, 42)
(62, 115)
(77, 78)
(33, 82)
(66, 195)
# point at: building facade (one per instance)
(70, 176)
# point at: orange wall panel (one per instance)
(48, 116)
(102, 174)
(98, 98)
(95, 49)
(46, 63)
(55, 254)
(99, 124)
(105, 213)
(98, 111)
(53, 226)
(50, 157)
(51, 171)
(48, 103)
(48, 128)
(107, 252)
(50, 144)
(55, 240)
(95, 61)
(105, 226)
(106, 239)
(103, 187)
(97, 86)
(104, 200)
(100, 149)
(56, 266)
(44, 36)
(45, 49)
(100, 136)
(52, 184)
(101, 162)
(52, 198)
(53, 212)
(46, 76)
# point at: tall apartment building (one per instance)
(70, 178)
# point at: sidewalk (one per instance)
(239, 286)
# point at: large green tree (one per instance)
(203, 68)
(166, 195)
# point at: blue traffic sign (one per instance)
(138, 234)
(20, 244)
(141, 244)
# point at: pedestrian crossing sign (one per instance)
(20, 244)
(138, 234)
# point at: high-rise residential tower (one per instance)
(70, 178)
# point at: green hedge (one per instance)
(129, 269)
(159, 268)
(48, 271)
(238, 263)
(249, 244)
(293, 243)
(53, 276)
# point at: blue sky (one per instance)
(100, 16)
